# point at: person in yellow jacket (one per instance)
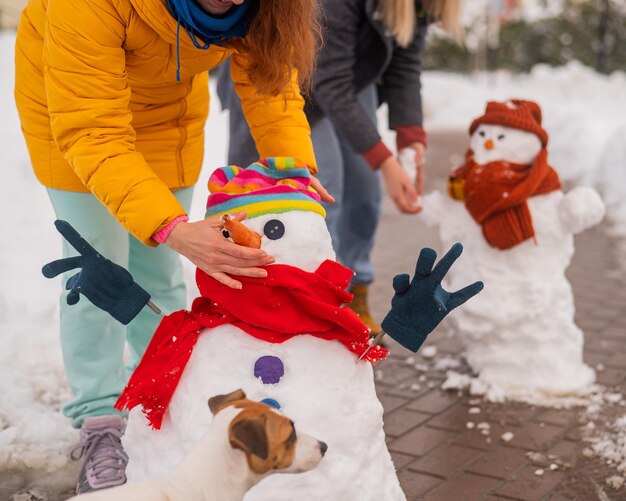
(113, 98)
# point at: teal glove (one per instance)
(419, 305)
(106, 284)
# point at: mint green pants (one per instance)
(91, 340)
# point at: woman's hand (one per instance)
(399, 187)
(204, 245)
(323, 193)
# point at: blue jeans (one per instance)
(93, 342)
(353, 219)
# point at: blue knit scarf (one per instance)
(205, 29)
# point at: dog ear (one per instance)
(249, 435)
(219, 401)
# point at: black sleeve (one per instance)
(333, 86)
(401, 84)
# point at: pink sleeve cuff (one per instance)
(376, 155)
(406, 135)
(161, 235)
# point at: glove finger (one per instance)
(72, 281)
(74, 238)
(59, 266)
(73, 297)
(401, 283)
(447, 261)
(425, 261)
(459, 297)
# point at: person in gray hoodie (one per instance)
(372, 54)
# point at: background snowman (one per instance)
(506, 204)
(285, 340)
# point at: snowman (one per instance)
(285, 339)
(506, 204)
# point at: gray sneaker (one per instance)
(104, 459)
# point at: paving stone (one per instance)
(610, 377)
(419, 441)
(450, 345)
(617, 360)
(390, 403)
(434, 402)
(500, 462)
(527, 486)
(559, 417)
(445, 461)
(401, 460)
(415, 485)
(402, 420)
(475, 439)
(466, 486)
(454, 419)
(534, 437)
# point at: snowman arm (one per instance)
(419, 305)
(581, 208)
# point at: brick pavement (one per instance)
(438, 458)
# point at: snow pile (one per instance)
(323, 391)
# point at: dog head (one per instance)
(267, 437)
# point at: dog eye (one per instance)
(501, 137)
(274, 229)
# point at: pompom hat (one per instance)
(515, 113)
(269, 186)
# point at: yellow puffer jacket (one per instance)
(101, 109)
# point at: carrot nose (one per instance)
(489, 144)
(240, 233)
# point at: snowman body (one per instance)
(322, 389)
(519, 333)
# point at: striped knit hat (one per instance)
(269, 186)
(515, 113)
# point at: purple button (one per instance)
(270, 369)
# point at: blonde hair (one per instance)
(399, 17)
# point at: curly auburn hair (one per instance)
(283, 36)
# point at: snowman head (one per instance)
(510, 131)
(493, 143)
(281, 206)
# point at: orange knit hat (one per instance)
(516, 113)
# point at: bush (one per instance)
(575, 34)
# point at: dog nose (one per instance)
(323, 447)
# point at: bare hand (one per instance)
(324, 195)
(399, 187)
(204, 245)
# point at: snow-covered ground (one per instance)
(584, 113)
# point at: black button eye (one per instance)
(274, 229)
(501, 137)
(481, 133)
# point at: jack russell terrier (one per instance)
(246, 441)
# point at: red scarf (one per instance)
(496, 196)
(287, 303)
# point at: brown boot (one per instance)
(360, 307)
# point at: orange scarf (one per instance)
(496, 196)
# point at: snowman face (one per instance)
(296, 238)
(493, 143)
